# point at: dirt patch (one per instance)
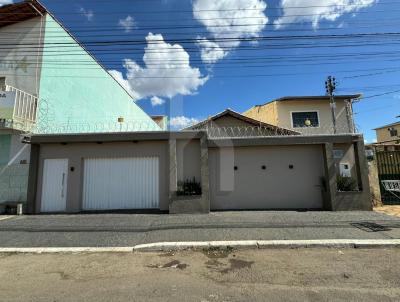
(172, 264)
(167, 254)
(61, 274)
(214, 264)
(390, 210)
(236, 264)
(217, 252)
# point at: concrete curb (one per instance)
(200, 245)
(3, 217)
(269, 244)
(65, 250)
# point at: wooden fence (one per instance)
(388, 163)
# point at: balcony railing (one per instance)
(24, 111)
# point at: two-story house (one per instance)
(49, 83)
(308, 114)
(388, 137)
(314, 115)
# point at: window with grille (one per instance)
(305, 119)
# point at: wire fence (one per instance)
(212, 132)
(95, 127)
(260, 131)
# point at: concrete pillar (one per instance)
(33, 180)
(190, 204)
(173, 171)
(354, 200)
(362, 172)
(330, 177)
(205, 176)
(374, 183)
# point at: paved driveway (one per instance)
(96, 230)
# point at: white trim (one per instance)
(300, 111)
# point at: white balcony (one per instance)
(18, 109)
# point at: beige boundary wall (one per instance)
(187, 154)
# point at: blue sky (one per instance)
(217, 70)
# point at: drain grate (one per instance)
(371, 227)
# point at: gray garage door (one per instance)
(273, 177)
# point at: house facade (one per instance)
(308, 115)
(198, 170)
(49, 83)
(388, 137)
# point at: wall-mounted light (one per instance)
(264, 167)
(291, 167)
(120, 121)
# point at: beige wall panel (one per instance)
(75, 153)
(276, 187)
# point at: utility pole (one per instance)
(330, 86)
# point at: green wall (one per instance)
(77, 94)
(5, 144)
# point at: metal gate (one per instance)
(388, 169)
(121, 183)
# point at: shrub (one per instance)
(189, 187)
(346, 184)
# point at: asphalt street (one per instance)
(103, 230)
(209, 276)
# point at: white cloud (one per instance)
(316, 11)
(225, 19)
(124, 83)
(167, 71)
(88, 13)
(180, 122)
(211, 52)
(156, 101)
(127, 24)
(4, 2)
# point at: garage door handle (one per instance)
(62, 185)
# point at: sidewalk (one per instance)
(123, 230)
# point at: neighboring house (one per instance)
(388, 137)
(230, 123)
(161, 121)
(49, 83)
(308, 114)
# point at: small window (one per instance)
(305, 119)
(338, 154)
(393, 132)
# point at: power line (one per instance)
(241, 9)
(215, 18)
(380, 94)
(223, 39)
(191, 26)
(397, 69)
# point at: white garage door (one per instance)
(121, 183)
(270, 177)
